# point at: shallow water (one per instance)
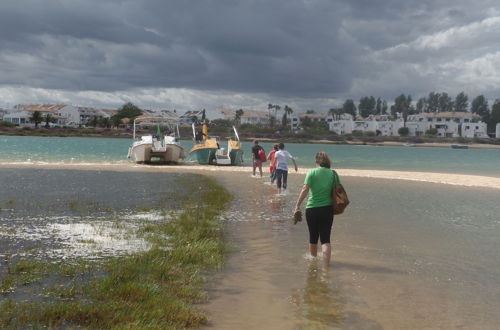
(405, 255)
(53, 214)
(77, 150)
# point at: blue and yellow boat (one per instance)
(208, 149)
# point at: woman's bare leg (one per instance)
(313, 248)
(327, 252)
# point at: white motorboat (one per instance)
(166, 147)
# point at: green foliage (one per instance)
(316, 127)
(370, 134)
(367, 106)
(129, 111)
(421, 105)
(4, 123)
(287, 111)
(404, 131)
(494, 118)
(431, 132)
(480, 106)
(156, 289)
(37, 118)
(461, 103)
(402, 105)
(237, 116)
(48, 120)
(349, 107)
(445, 103)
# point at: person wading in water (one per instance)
(319, 210)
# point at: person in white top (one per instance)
(281, 158)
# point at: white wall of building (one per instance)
(18, 117)
(497, 132)
(472, 130)
(341, 126)
(446, 124)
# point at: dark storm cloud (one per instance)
(309, 48)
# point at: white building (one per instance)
(497, 131)
(447, 124)
(365, 126)
(22, 113)
(342, 124)
(389, 127)
(254, 117)
(296, 120)
(192, 115)
(79, 115)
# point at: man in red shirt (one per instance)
(272, 170)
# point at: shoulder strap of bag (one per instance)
(336, 179)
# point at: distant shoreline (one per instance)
(388, 143)
(374, 141)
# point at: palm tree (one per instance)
(276, 109)
(237, 116)
(48, 119)
(288, 111)
(37, 118)
(269, 107)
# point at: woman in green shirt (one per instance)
(319, 211)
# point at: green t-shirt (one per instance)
(320, 182)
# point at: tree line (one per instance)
(434, 102)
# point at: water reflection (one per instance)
(319, 304)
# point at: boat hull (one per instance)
(141, 153)
(236, 156)
(204, 155)
(144, 153)
(459, 146)
(174, 153)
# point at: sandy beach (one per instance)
(441, 178)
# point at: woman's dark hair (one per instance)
(323, 160)
(275, 146)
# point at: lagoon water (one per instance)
(106, 150)
(406, 254)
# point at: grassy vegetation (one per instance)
(154, 289)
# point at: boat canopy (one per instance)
(171, 122)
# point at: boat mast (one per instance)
(204, 130)
(236, 133)
(133, 136)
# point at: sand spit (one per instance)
(465, 180)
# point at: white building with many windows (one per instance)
(21, 114)
(447, 124)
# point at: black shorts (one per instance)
(319, 222)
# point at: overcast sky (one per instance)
(189, 54)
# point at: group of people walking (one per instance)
(318, 186)
(278, 163)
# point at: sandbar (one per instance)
(464, 180)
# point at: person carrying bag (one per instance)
(321, 185)
(339, 196)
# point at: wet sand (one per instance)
(465, 180)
